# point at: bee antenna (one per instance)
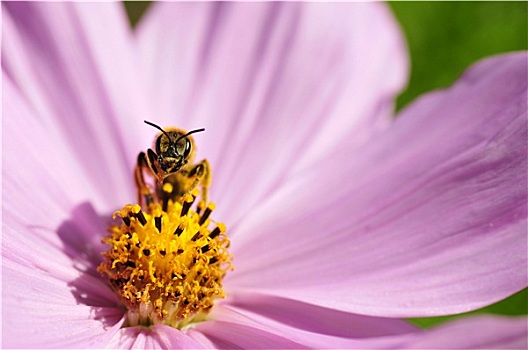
(190, 132)
(157, 127)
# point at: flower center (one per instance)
(166, 265)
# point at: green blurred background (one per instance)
(445, 38)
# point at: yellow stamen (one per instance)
(166, 266)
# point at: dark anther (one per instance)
(141, 218)
(179, 230)
(162, 252)
(126, 220)
(213, 260)
(179, 251)
(214, 233)
(141, 277)
(146, 252)
(130, 263)
(173, 276)
(185, 208)
(157, 222)
(205, 215)
(205, 248)
(196, 236)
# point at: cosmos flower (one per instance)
(341, 220)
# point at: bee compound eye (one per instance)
(187, 150)
(158, 144)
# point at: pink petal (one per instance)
(429, 218)
(73, 63)
(50, 275)
(155, 337)
(40, 311)
(313, 326)
(228, 335)
(41, 202)
(276, 85)
(57, 252)
(37, 164)
(478, 332)
(316, 319)
(50, 248)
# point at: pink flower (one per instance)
(341, 219)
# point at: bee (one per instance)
(170, 161)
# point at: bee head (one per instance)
(173, 148)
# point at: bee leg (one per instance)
(143, 192)
(155, 166)
(202, 175)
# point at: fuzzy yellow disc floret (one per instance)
(166, 266)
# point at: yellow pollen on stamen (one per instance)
(166, 266)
